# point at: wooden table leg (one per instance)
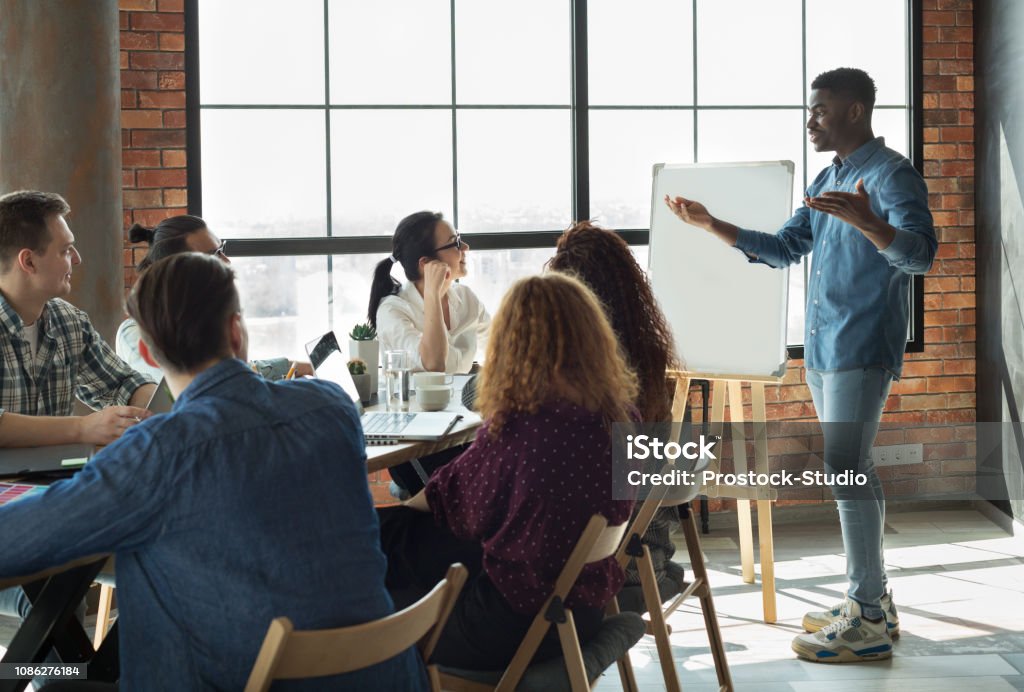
(739, 453)
(764, 507)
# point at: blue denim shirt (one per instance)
(248, 501)
(858, 304)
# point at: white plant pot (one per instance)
(368, 351)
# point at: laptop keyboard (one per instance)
(386, 423)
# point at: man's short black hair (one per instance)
(850, 83)
(23, 217)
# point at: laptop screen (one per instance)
(330, 364)
(162, 400)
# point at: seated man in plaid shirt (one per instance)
(49, 351)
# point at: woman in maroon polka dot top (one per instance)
(514, 504)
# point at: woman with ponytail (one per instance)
(440, 323)
(173, 236)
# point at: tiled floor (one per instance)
(958, 582)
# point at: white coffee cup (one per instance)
(433, 397)
(421, 379)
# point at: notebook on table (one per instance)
(330, 363)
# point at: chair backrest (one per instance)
(287, 654)
(597, 542)
(640, 523)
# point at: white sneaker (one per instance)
(817, 619)
(849, 638)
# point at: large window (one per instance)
(315, 125)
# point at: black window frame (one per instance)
(579, 108)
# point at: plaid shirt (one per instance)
(72, 361)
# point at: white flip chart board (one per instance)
(728, 315)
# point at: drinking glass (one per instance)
(396, 372)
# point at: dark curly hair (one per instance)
(603, 261)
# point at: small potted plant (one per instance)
(363, 345)
(357, 368)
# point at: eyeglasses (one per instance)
(458, 244)
(219, 250)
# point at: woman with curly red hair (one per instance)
(514, 504)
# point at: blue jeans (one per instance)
(14, 602)
(849, 405)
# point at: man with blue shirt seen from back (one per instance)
(248, 501)
(866, 220)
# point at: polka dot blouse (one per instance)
(527, 496)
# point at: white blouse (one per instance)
(400, 326)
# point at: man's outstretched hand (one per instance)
(696, 214)
(689, 211)
(852, 207)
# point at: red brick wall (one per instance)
(152, 115)
(938, 386)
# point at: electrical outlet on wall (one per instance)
(898, 455)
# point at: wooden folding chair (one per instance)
(633, 547)
(597, 542)
(103, 614)
(287, 654)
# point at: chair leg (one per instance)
(624, 665)
(707, 603)
(652, 599)
(626, 675)
(103, 615)
(572, 654)
(434, 678)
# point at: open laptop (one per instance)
(52, 459)
(330, 363)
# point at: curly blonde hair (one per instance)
(550, 340)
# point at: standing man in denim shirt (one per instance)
(248, 501)
(867, 222)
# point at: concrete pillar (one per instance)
(60, 131)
